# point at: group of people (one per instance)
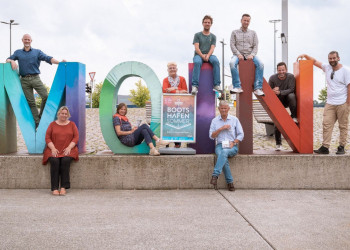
(62, 135)
(227, 129)
(244, 45)
(228, 132)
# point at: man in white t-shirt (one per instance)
(338, 101)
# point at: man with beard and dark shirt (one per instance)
(283, 84)
(338, 101)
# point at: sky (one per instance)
(102, 34)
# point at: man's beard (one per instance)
(334, 63)
(281, 76)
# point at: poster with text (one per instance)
(178, 122)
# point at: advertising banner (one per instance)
(178, 120)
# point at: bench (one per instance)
(261, 116)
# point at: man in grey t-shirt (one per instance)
(204, 44)
(283, 84)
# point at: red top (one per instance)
(182, 85)
(61, 136)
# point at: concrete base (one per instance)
(177, 151)
(292, 171)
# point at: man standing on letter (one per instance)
(338, 101)
(29, 62)
(204, 45)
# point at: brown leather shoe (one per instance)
(230, 187)
(214, 181)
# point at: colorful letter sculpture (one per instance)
(299, 136)
(68, 87)
(108, 101)
(205, 109)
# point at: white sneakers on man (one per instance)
(278, 147)
(217, 88)
(236, 91)
(194, 90)
(259, 92)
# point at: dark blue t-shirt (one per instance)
(29, 61)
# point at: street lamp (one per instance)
(10, 23)
(274, 41)
(223, 63)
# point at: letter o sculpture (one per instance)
(108, 101)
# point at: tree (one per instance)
(38, 99)
(140, 96)
(323, 95)
(96, 95)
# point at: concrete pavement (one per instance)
(175, 219)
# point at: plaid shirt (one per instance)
(244, 42)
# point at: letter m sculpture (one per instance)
(67, 88)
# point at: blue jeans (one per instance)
(222, 161)
(198, 61)
(259, 72)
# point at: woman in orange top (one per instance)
(174, 84)
(61, 138)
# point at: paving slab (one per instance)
(119, 219)
(297, 219)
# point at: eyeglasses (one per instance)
(332, 75)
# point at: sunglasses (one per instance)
(332, 75)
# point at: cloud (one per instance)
(104, 33)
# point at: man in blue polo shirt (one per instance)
(228, 132)
(29, 61)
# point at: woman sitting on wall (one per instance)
(174, 84)
(132, 136)
(61, 139)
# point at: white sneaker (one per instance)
(278, 147)
(154, 152)
(217, 88)
(194, 90)
(236, 90)
(295, 120)
(259, 92)
(162, 143)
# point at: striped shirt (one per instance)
(244, 42)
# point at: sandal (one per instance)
(55, 192)
(63, 192)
